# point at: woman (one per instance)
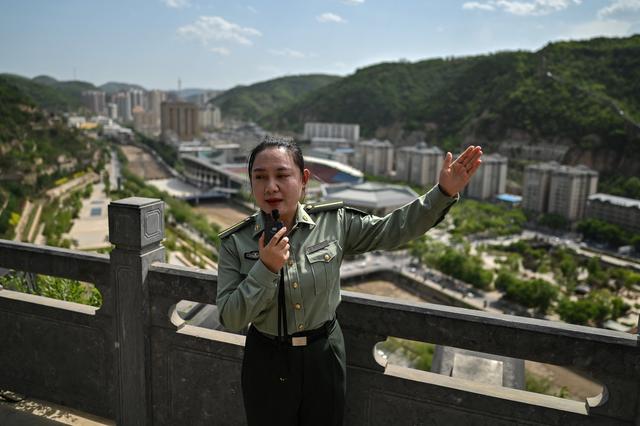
(288, 288)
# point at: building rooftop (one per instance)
(509, 198)
(615, 200)
(376, 142)
(422, 148)
(373, 195)
(557, 168)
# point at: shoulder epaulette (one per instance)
(353, 209)
(233, 228)
(323, 207)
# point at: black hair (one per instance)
(278, 142)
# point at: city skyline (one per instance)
(218, 45)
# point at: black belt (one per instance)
(302, 338)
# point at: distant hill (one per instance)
(47, 93)
(567, 92)
(30, 141)
(45, 79)
(254, 102)
(190, 93)
(113, 87)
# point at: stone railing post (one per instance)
(136, 228)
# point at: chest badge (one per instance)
(252, 255)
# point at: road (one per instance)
(114, 170)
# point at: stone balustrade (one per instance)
(136, 361)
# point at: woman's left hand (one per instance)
(455, 175)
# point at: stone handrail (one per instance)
(137, 362)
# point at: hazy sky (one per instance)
(221, 43)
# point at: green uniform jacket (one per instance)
(320, 237)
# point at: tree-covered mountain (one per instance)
(59, 96)
(31, 141)
(48, 93)
(255, 101)
(568, 92)
(114, 87)
(36, 146)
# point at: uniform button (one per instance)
(294, 285)
(300, 326)
(327, 257)
(290, 262)
(298, 306)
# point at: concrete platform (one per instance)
(33, 412)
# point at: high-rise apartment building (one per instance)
(554, 188)
(209, 117)
(123, 101)
(419, 164)
(180, 121)
(112, 111)
(375, 157)
(144, 122)
(349, 132)
(621, 211)
(490, 179)
(154, 101)
(137, 98)
(535, 188)
(95, 101)
(569, 189)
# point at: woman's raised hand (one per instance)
(455, 175)
(276, 252)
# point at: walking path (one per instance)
(34, 412)
(35, 225)
(24, 218)
(90, 230)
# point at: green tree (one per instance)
(537, 293)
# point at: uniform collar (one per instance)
(301, 217)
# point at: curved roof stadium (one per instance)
(329, 171)
(203, 172)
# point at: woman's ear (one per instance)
(305, 177)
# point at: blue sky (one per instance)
(218, 44)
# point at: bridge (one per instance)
(135, 360)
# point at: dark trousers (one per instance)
(294, 385)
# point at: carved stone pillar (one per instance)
(136, 228)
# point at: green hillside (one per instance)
(114, 87)
(255, 101)
(34, 145)
(567, 91)
(31, 141)
(59, 96)
(48, 93)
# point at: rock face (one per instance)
(605, 161)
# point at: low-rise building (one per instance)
(330, 143)
(372, 197)
(76, 121)
(341, 155)
(349, 132)
(621, 211)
